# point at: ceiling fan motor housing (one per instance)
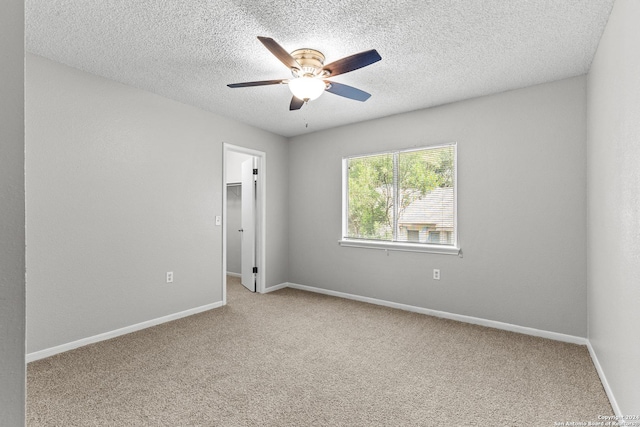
(310, 60)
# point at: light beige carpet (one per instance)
(292, 358)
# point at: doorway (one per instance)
(243, 231)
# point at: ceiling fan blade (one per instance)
(353, 62)
(279, 52)
(296, 104)
(347, 91)
(259, 83)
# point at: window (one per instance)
(403, 200)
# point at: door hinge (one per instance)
(255, 171)
(255, 269)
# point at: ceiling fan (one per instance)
(310, 74)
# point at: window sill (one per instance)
(402, 247)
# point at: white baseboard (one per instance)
(603, 380)
(276, 287)
(229, 273)
(37, 355)
(445, 315)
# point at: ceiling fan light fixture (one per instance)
(309, 73)
(306, 88)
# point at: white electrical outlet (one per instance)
(218, 220)
(169, 276)
(436, 274)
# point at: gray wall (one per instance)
(234, 166)
(12, 262)
(613, 154)
(234, 223)
(234, 210)
(522, 205)
(122, 186)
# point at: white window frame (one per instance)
(400, 246)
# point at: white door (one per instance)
(248, 245)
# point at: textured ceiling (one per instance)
(433, 51)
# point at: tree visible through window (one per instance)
(403, 196)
